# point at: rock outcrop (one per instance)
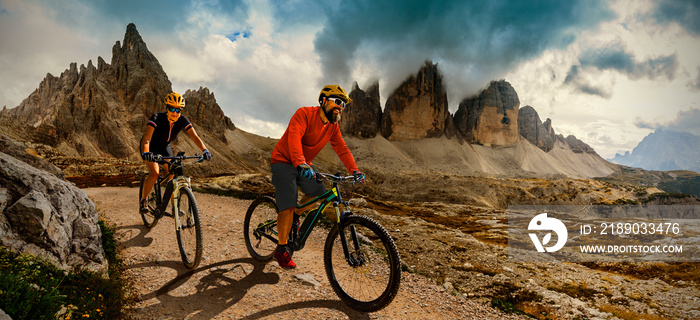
(532, 129)
(41, 214)
(490, 118)
(417, 109)
(98, 111)
(362, 118)
(576, 145)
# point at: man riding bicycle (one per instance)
(162, 128)
(309, 130)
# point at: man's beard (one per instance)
(331, 116)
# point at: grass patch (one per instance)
(581, 291)
(33, 288)
(510, 298)
(678, 274)
(627, 314)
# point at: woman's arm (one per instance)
(195, 138)
(146, 140)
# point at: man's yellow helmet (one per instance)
(175, 100)
(334, 91)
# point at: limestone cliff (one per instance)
(362, 117)
(491, 117)
(417, 109)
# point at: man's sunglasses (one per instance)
(171, 109)
(337, 101)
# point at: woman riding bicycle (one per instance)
(163, 128)
(309, 130)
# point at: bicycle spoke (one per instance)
(190, 234)
(368, 279)
(260, 228)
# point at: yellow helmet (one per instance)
(175, 100)
(335, 91)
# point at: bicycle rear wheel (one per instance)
(260, 228)
(370, 279)
(189, 232)
(149, 218)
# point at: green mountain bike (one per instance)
(188, 228)
(361, 259)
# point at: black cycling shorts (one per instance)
(286, 179)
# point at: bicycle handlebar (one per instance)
(160, 158)
(320, 176)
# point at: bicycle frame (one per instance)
(333, 197)
(177, 182)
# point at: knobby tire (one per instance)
(372, 284)
(190, 229)
(261, 220)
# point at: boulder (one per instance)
(41, 214)
(27, 155)
(491, 117)
(417, 109)
(362, 118)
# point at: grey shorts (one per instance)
(286, 179)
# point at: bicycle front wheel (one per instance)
(149, 218)
(260, 228)
(189, 230)
(368, 280)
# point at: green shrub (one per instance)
(33, 288)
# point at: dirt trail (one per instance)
(229, 284)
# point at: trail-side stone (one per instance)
(44, 215)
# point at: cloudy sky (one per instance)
(608, 72)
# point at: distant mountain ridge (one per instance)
(664, 150)
(102, 112)
(418, 109)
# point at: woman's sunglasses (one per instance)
(337, 101)
(171, 109)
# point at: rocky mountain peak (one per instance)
(532, 129)
(491, 117)
(102, 110)
(362, 118)
(417, 109)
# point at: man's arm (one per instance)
(343, 152)
(297, 127)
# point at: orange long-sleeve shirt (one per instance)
(308, 132)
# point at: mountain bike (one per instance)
(185, 211)
(361, 259)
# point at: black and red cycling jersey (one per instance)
(164, 133)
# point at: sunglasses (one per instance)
(337, 101)
(176, 110)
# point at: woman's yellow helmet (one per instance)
(175, 100)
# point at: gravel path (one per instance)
(229, 284)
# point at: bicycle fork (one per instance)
(353, 259)
(179, 183)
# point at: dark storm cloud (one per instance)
(686, 121)
(582, 85)
(694, 84)
(642, 124)
(685, 12)
(164, 17)
(484, 38)
(616, 58)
